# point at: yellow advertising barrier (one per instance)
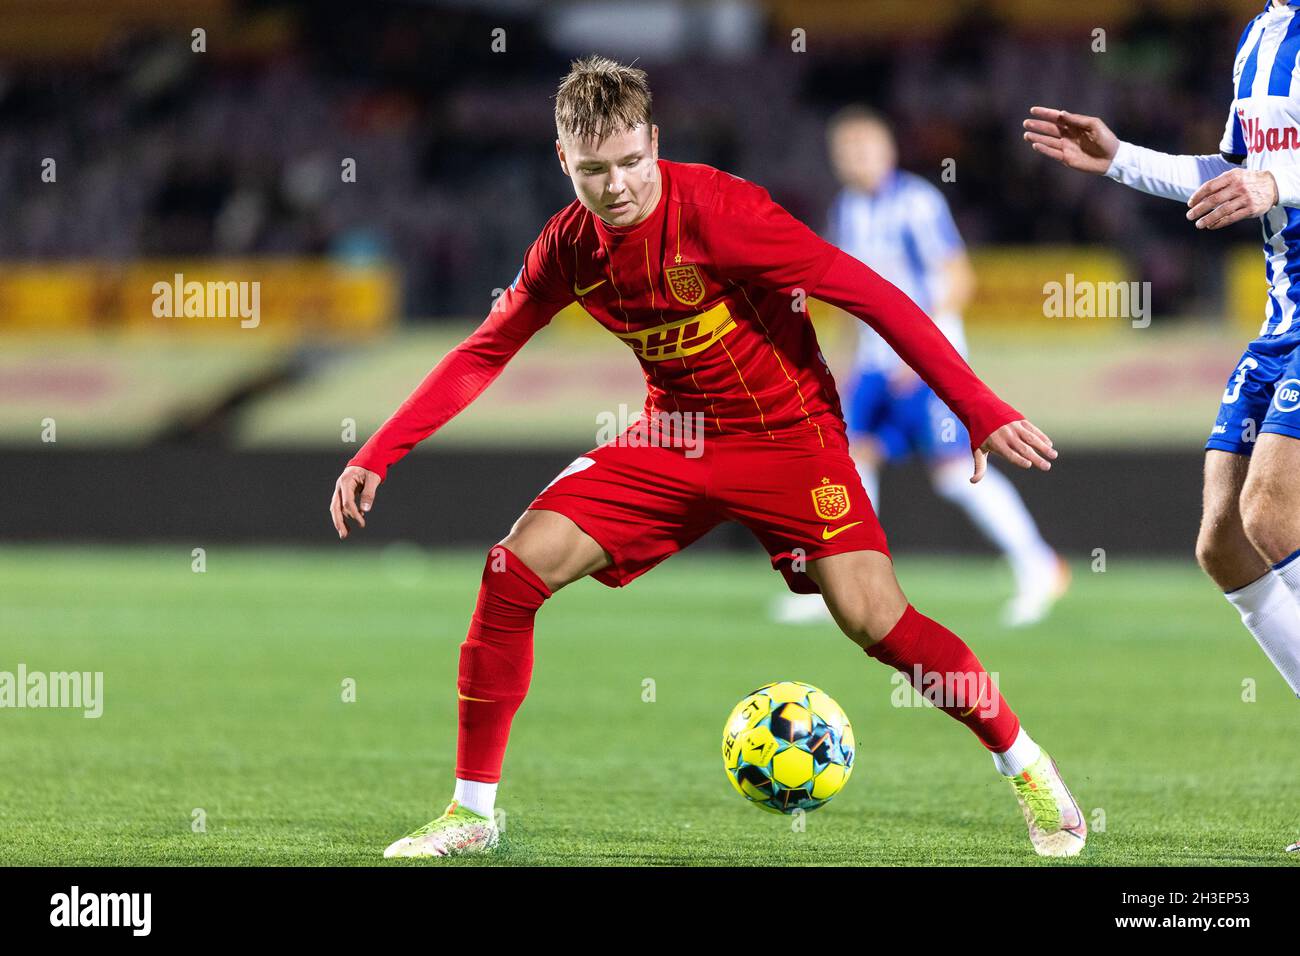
(1052, 289)
(286, 297)
(50, 298)
(1245, 290)
(1082, 288)
(1088, 289)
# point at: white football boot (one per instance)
(1056, 824)
(801, 609)
(457, 831)
(1034, 598)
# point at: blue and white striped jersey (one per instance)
(1264, 127)
(905, 232)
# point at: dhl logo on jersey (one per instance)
(683, 337)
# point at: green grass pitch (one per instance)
(223, 694)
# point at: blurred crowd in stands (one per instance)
(164, 152)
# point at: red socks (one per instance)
(496, 663)
(948, 674)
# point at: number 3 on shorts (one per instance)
(1231, 393)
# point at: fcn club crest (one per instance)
(831, 502)
(685, 283)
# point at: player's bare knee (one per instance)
(1271, 529)
(862, 593)
(855, 629)
(554, 548)
(870, 616)
(1209, 551)
(1253, 519)
(535, 554)
(1226, 557)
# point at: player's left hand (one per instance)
(1236, 195)
(1022, 443)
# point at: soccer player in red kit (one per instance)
(704, 277)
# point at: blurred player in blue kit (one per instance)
(900, 225)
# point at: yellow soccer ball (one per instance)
(788, 746)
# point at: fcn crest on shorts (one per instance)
(830, 501)
(685, 283)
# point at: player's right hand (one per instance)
(1080, 142)
(353, 483)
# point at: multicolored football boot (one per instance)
(1056, 824)
(457, 831)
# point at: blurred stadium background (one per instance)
(131, 441)
(229, 164)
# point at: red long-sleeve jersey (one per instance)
(709, 292)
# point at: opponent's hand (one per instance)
(1236, 195)
(1021, 443)
(353, 483)
(1080, 142)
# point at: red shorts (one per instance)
(643, 502)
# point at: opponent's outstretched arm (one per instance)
(462, 376)
(1216, 189)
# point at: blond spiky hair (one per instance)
(601, 97)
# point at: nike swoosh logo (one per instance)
(827, 533)
(581, 292)
(480, 700)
